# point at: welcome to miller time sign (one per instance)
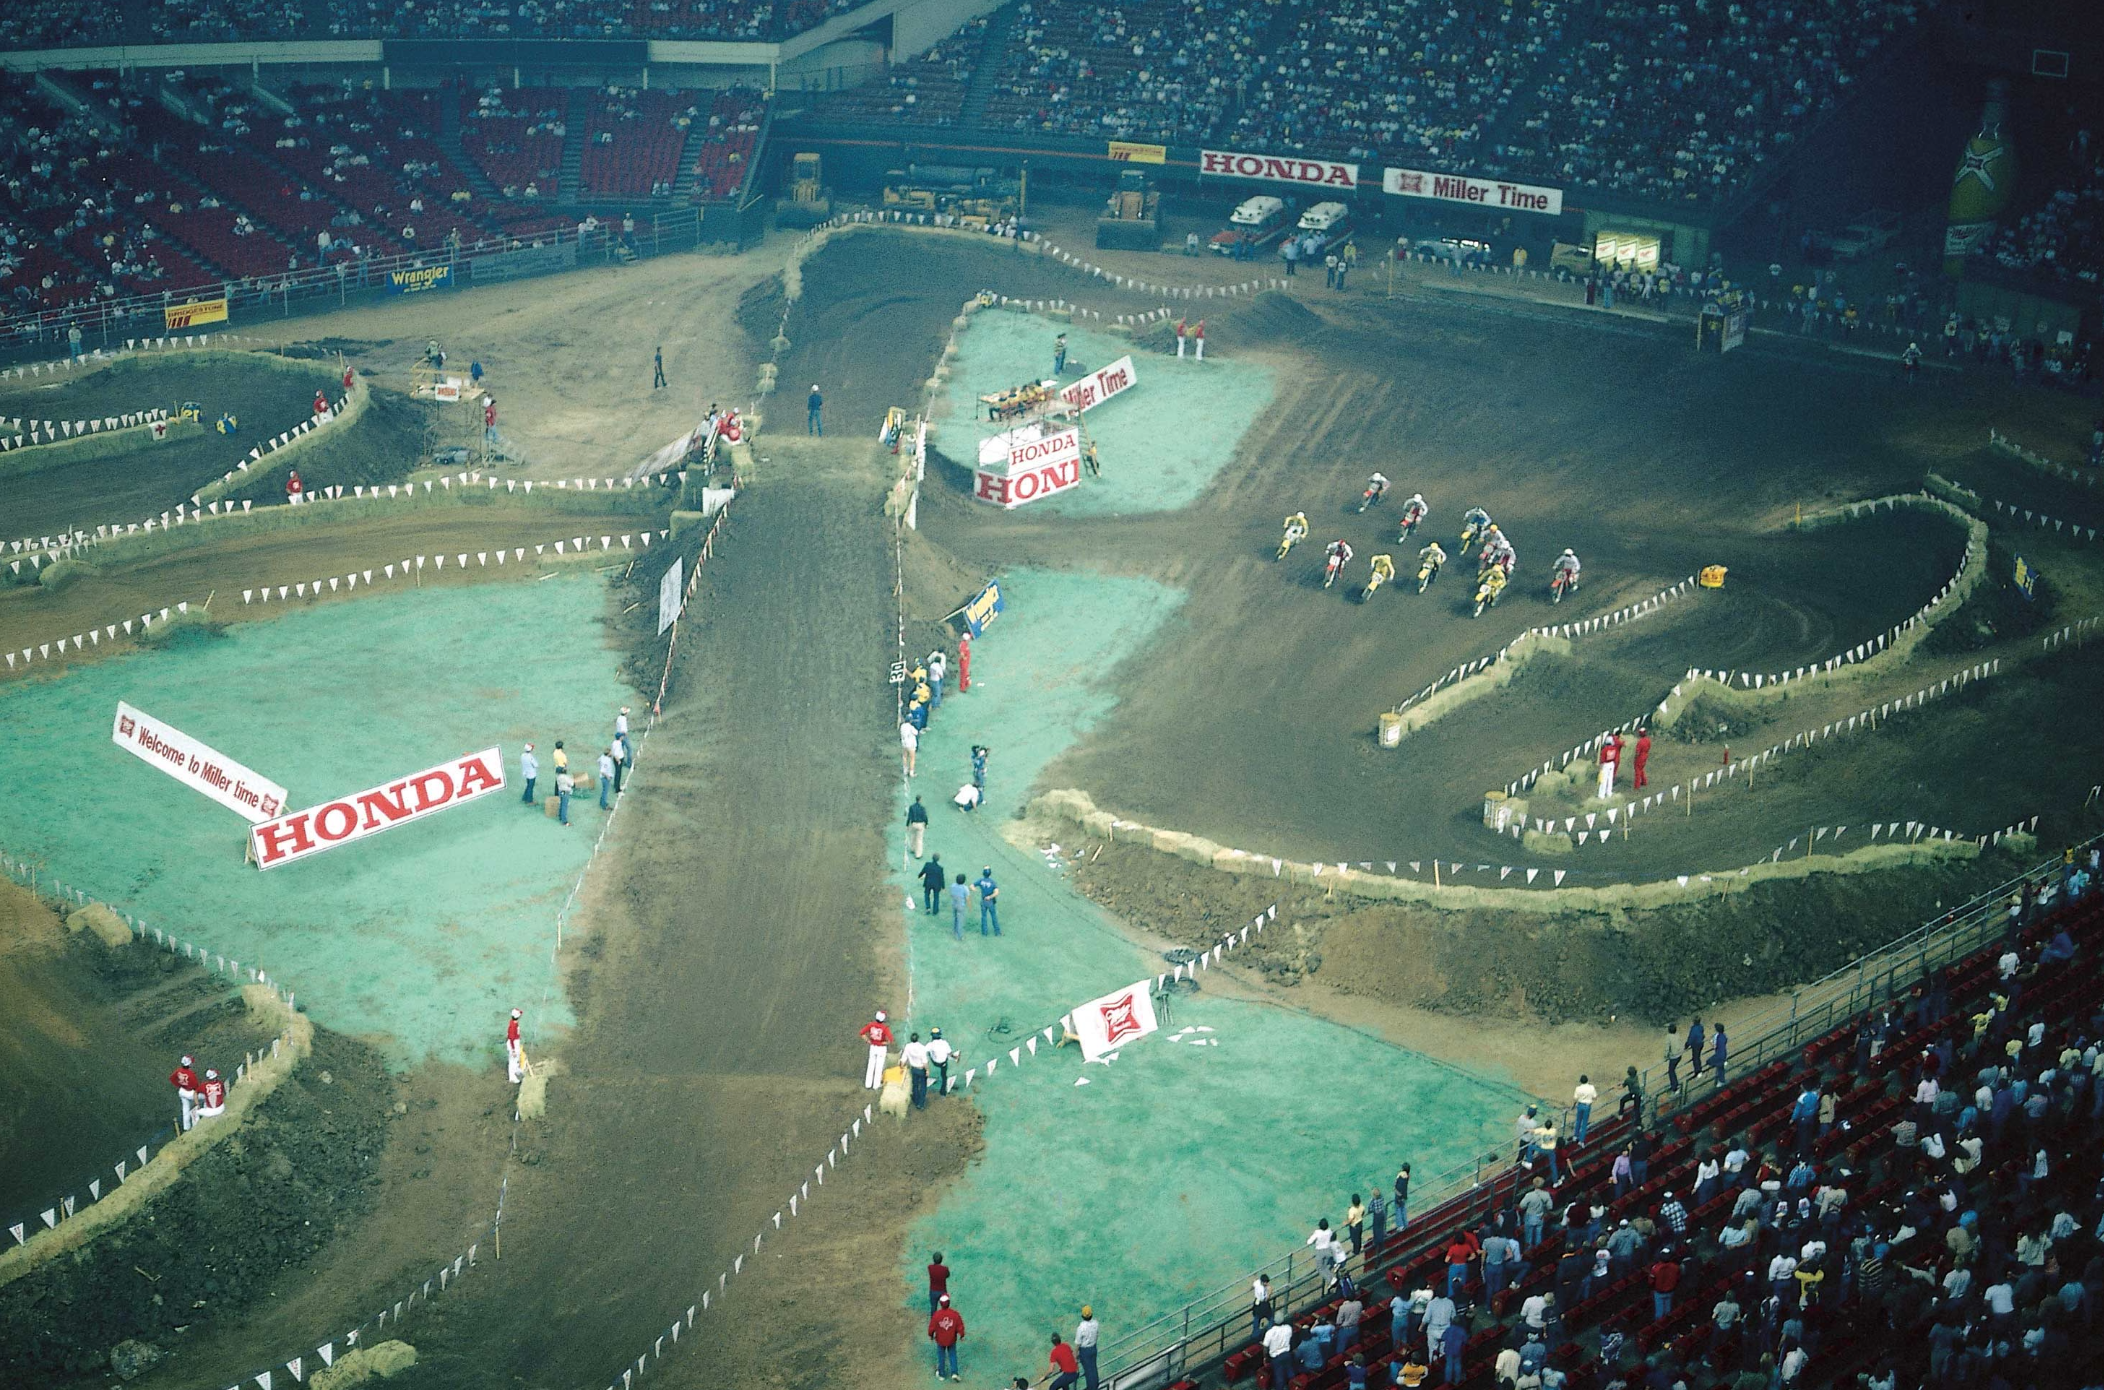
(1500, 194)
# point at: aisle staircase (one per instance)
(449, 142)
(992, 50)
(569, 184)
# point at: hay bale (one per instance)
(106, 925)
(533, 1095)
(367, 1363)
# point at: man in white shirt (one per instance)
(1582, 1107)
(915, 1055)
(940, 1055)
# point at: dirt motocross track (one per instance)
(732, 936)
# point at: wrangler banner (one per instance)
(306, 833)
(196, 312)
(417, 279)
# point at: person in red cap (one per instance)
(295, 490)
(946, 1330)
(321, 403)
(211, 1096)
(184, 1079)
(514, 1050)
(877, 1033)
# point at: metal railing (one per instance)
(1205, 1330)
(252, 297)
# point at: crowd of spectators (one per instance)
(1152, 70)
(84, 23)
(1410, 80)
(2063, 238)
(1913, 1200)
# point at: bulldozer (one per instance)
(809, 202)
(1130, 220)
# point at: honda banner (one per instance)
(307, 833)
(1321, 173)
(1028, 465)
(196, 765)
(1099, 386)
(1485, 193)
(1107, 1024)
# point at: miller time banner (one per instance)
(1482, 193)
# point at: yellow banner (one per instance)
(1129, 153)
(197, 311)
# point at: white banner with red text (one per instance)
(1027, 464)
(353, 817)
(196, 765)
(1287, 168)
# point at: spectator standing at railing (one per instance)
(1086, 1334)
(1260, 1306)
(1582, 1107)
(1718, 1053)
(1376, 1221)
(1672, 1059)
(1402, 1197)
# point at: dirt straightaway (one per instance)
(738, 939)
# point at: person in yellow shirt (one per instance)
(1413, 1372)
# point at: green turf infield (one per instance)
(1161, 442)
(1186, 1161)
(422, 938)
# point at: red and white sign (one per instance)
(353, 817)
(1026, 465)
(196, 765)
(1122, 1016)
(1280, 168)
(1482, 193)
(1099, 386)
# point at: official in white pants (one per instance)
(877, 1033)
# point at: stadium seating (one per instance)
(632, 142)
(51, 23)
(1154, 70)
(1853, 1203)
(928, 90)
(515, 138)
(725, 144)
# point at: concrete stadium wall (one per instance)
(1078, 807)
(1847, 668)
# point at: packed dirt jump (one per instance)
(1184, 735)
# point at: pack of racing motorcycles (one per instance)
(1494, 562)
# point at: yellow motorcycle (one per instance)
(1489, 585)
